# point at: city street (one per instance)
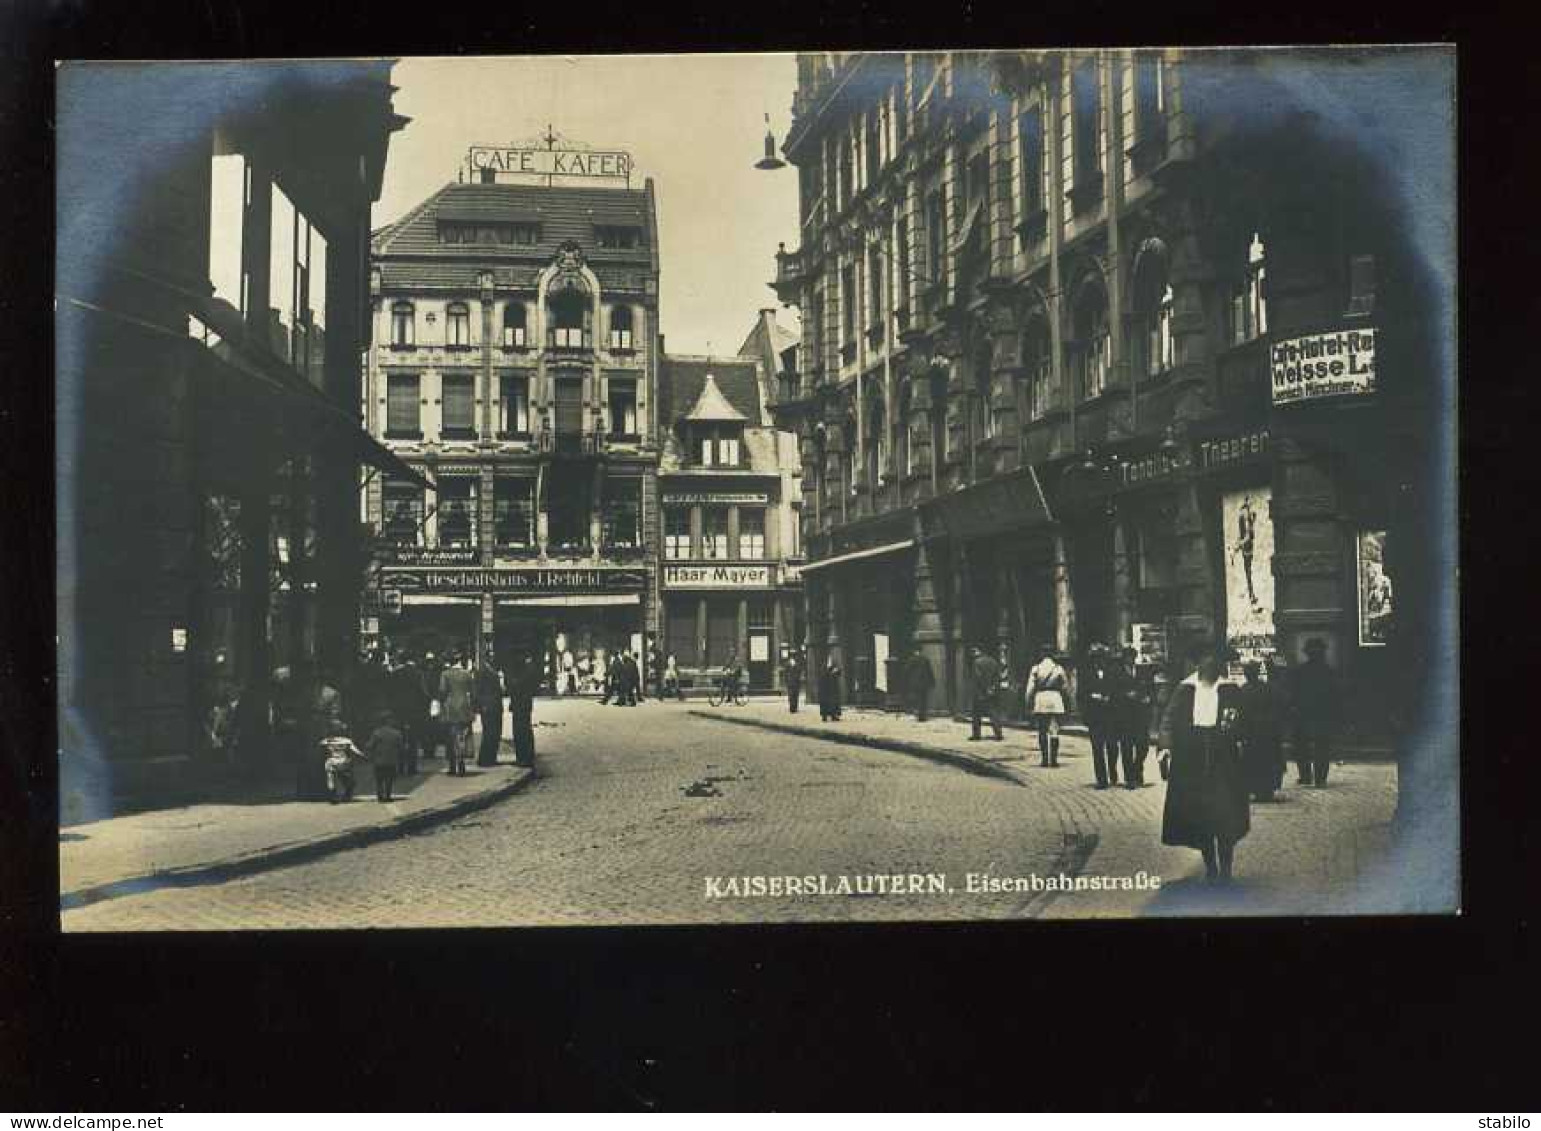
(656, 815)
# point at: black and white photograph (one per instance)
(834, 486)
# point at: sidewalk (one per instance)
(192, 843)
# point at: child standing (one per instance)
(386, 747)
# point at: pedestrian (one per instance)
(829, 689)
(434, 734)
(984, 685)
(1262, 751)
(386, 748)
(521, 709)
(457, 691)
(1315, 701)
(328, 697)
(1047, 689)
(671, 679)
(489, 708)
(337, 757)
(792, 678)
(1098, 692)
(919, 680)
(1206, 795)
(631, 679)
(1132, 714)
(1003, 697)
(410, 702)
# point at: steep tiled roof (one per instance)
(712, 405)
(681, 379)
(564, 214)
(425, 273)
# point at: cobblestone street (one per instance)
(636, 809)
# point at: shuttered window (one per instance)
(402, 410)
(459, 406)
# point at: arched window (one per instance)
(568, 317)
(514, 325)
(1153, 313)
(1093, 344)
(403, 324)
(457, 328)
(620, 328)
(1038, 367)
(1248, 308)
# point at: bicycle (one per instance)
(729, 689)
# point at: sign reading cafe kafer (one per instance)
(1335, 364)
(551, 162)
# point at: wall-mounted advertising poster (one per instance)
(1375, 600)
(1249, 602)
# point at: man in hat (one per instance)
(1100, 693)
(1316, 702)
(985, 677)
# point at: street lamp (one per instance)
(770, 161)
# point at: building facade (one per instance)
(728, 532)
(209, 374)
(1089, 353)
(515, 365)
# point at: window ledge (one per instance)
(454, 434)
(390, 435)
(506, 348)
(624, 437)
(459, 348)
(402, 347)
(521, 437)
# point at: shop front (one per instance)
(716, 614)
(573, 621)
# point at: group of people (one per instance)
(623, 680)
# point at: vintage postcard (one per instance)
(544, 491)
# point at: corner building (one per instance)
(1056, 308)
(515, 365)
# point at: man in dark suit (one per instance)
(985, 677)
(1099, 695)
(919, 680)
(1315, 702)
(489, 708)
(521, 709)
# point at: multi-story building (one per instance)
(211, 318)
(728, 516)
(514, 364)
(1089, 354)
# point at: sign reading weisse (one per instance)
(717, 576)
(552, 162)
(1336, 364)
(688, 498)
(534, 580)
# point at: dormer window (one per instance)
(505, 234)
(618, 237)
(718, 446)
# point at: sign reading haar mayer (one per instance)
(1335, 364)
(552, 162)
(717, 576)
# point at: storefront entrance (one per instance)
(573, 639)
(448, 623)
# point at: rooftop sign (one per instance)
(501, 161)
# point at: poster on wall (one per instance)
(1375, 599)
(880, 660)
(1249, 600)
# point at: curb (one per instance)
(968, 763)
(293, 852)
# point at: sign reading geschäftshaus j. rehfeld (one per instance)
(1332, 364)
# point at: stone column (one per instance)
(1125, 578)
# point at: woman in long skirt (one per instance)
(1206, 795)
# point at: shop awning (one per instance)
(1011, 502)
(573, 600)
(438, 599)
(856, 555)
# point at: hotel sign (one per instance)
(717, 577)
(1336, 364)
(611, 164)
(598, 579)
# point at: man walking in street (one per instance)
(985, 674)
(457, 693)
(792, 675)
(489, 707)
(409, 701)
(521, 709)
(1315, 701)
(1099, 694)
(918, 681)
